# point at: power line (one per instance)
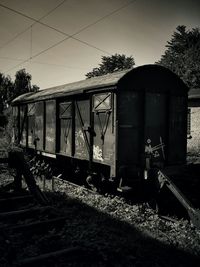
(43, 63)
(12, 59)
(58, 65)
(68, 36)
(31, 42)
(61, 32)
(44, 16)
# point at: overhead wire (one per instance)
(35, 22)
(68, 36)
(31, 42)
(44, 63)
(58, 65)
(11, 58)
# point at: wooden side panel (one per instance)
(65, 117)
(82, 124)
(104, 134)
(50, 121)
(23, 125)
(31, 125)
(39, 125)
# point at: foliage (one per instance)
(9, 90)
(22, 84)
(110, 64)
(6, 86)
(183, 55)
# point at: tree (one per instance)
(22, 85)
(9, 90)
(112, 64)
(6, 85)
(183, 55)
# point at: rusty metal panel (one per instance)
(177, 129)
(50, 121)
(65, 116)
(104, 138)
(82, 125)
(129, 118)
(39, 125)
(155, 133)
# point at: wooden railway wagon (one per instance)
(117, 126)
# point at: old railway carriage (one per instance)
(118, 125)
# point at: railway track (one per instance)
(23, 220)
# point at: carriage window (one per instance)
(102, 102)
(65, 115)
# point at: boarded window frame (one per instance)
(67, 113)
(100, 99)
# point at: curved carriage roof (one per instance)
(141, 78)
(108, 80)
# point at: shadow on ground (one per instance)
(93, 239)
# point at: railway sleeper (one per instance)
(23, 214)
(68, 255)
(14, 203)
(36, 226)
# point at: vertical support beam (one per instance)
(142, 114)
(18, 124)
(57, 141)
(44, 125)
(73, 129)
(166, 148)
(91, 137)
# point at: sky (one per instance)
(59, 41)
